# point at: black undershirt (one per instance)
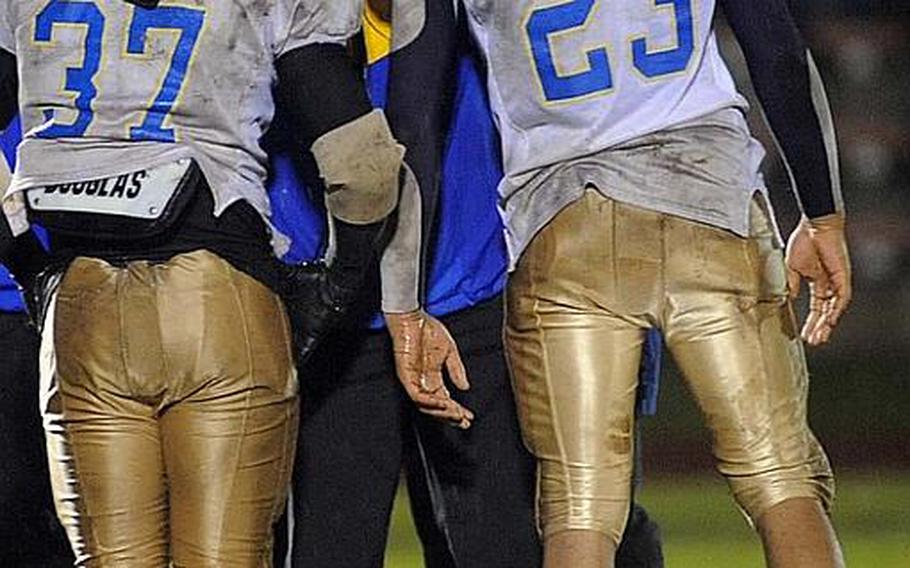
(239, 235)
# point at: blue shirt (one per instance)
(469, 263)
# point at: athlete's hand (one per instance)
(817, 251)
(37, 272)
(422, 346)
(317, 301)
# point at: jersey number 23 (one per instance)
(556, 20)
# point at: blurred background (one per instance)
(860, 397)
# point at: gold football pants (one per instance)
(584, 294)
(170, 408)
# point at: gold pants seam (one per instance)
(248, 393)
(121, 330)
(286, 464)
(286, 330)
(83, 525)
(614, 252)
(165, 362)
(554, 413)
(238, 298)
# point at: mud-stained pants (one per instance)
(579, 304)
(170, 404)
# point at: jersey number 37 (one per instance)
(80, 80)
(560, 19)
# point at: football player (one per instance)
(471, 491)
(169, 393)
(632, 200)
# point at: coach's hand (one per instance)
(422, 346)
(817, 251)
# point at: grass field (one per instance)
(701, 528)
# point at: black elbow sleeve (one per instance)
(24, 255)
(9, 88)
(778, 63)
(320, 87)
(6, 240)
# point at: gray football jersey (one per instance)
(570, 78)
(630, 97)
(107, 87)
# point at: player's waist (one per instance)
(61, 161)
(705, 171)
(233, 173)
(566, 137)
(714, 148)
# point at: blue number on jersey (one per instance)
(189, 22)
(553, 19)
(673, 60)
(549, 20)
(78, 79)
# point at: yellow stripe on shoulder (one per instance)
(377, 34)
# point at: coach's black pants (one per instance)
(472, 492)
(30, 536)
(358, 428)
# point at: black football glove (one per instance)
(33, 269)
(37, 291)
(318, 296)
(317, 299)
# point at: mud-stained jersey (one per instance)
(107, 87)
(601, 73)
